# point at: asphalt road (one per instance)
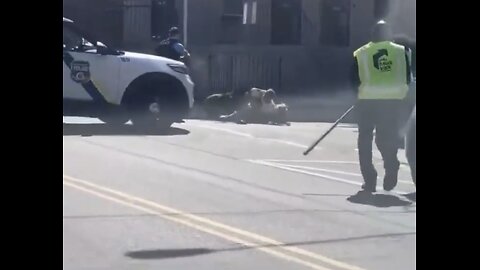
(209, 195)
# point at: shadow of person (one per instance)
(167, 253)
(377, 200)
(157, 254)
(124, 130)
(412, 196)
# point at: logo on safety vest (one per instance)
(381, 61)
(80, 71)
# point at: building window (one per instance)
(254, 12)
(286, 22)
(335, 23)
(231, 21)
(164, 16)
(249, 12)
(245, 12)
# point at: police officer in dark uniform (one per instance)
(172, 47)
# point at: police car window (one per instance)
(73, 41)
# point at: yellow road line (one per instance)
(229, 233)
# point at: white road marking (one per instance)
(321, 170)
(303, 146)
(230, 233)
(231, 131)
(248, 135)
(335, 171)
(333, 178)
(378, 156)
(311, 161)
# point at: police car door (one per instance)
(87, 75)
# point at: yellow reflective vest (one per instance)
(382, 69)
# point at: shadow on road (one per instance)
(377, 200)
(167, 253)
(412, 196)
(175, 253)
(108, 130)
(325, 195)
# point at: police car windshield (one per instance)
(73, 40)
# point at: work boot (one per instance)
(371, 184)
(370, 178)
(371, 188)
(390, 181)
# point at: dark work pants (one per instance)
(383, 117)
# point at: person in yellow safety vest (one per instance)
(381, 74)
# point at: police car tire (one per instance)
(142, 118)
(155, 89)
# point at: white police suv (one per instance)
(118, 86)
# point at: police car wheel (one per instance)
(156, 102)
(150, 114)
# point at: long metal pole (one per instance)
(328, 131)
